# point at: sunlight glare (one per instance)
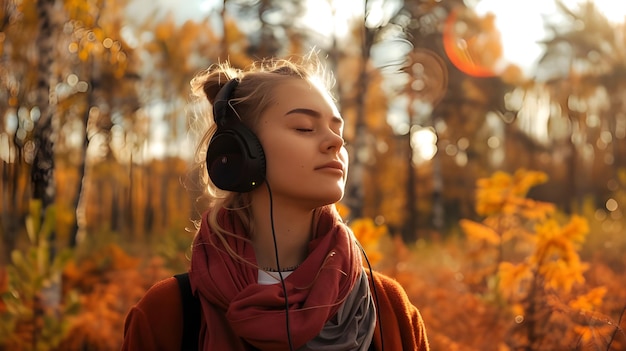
(208, 5)
(424, 144)
(318, 13)
(521, 27)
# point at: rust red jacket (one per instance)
(156, 321)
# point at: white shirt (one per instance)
(269, 278)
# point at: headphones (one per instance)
(235, 158)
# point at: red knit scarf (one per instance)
(237, 310)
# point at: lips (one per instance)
(333, 165)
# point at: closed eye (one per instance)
(304, 130)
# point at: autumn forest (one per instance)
(495, 196)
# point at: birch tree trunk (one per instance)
(42, 172)
(360, 152)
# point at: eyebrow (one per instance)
(314, 114)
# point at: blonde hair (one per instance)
(250, 99)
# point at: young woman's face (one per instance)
(302, 136)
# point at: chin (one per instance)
(320, 200)
(333, 199)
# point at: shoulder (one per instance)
(403, 325)
(163, 292)
(162, 304)
(391, 296)
(157, 319)
(389, 286)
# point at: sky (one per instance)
(521, 24)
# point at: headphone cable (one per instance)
(380, 322)
(280, 274)
(282, 280)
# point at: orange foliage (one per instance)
(555, 257)
(512, 276)
(368, 234)
(87, 273)
(343, 210)
(110, 282)
(589, 301)
(480, 232)
(547, 266)
(503, 193)
(515, 281)
(437, 287)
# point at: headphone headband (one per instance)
(221, 111)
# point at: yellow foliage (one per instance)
(491, 193)
(480, 232)
(589, 301)
(524, 180)
(588, 334)
(576, 230)
(344, 211)
(505, 193)
(535, 210)
(556, 255)
(547, 264)
(368, 234)
(517, 309)
(164, 30)
(562, 275)
(512, 277)
(573, 232)
(365, 230)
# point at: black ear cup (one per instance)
(235, 158)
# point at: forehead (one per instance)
(300, 93)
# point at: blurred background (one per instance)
(487, 144)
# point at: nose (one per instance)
(332, 141)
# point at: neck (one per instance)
(291, 227)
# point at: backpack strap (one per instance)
(191, 314)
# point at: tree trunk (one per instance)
(42, 172)
(354, 191)
(12, 216)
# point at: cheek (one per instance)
(283, 159)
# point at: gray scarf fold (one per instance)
(352, 328)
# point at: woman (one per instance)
(273, 266)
